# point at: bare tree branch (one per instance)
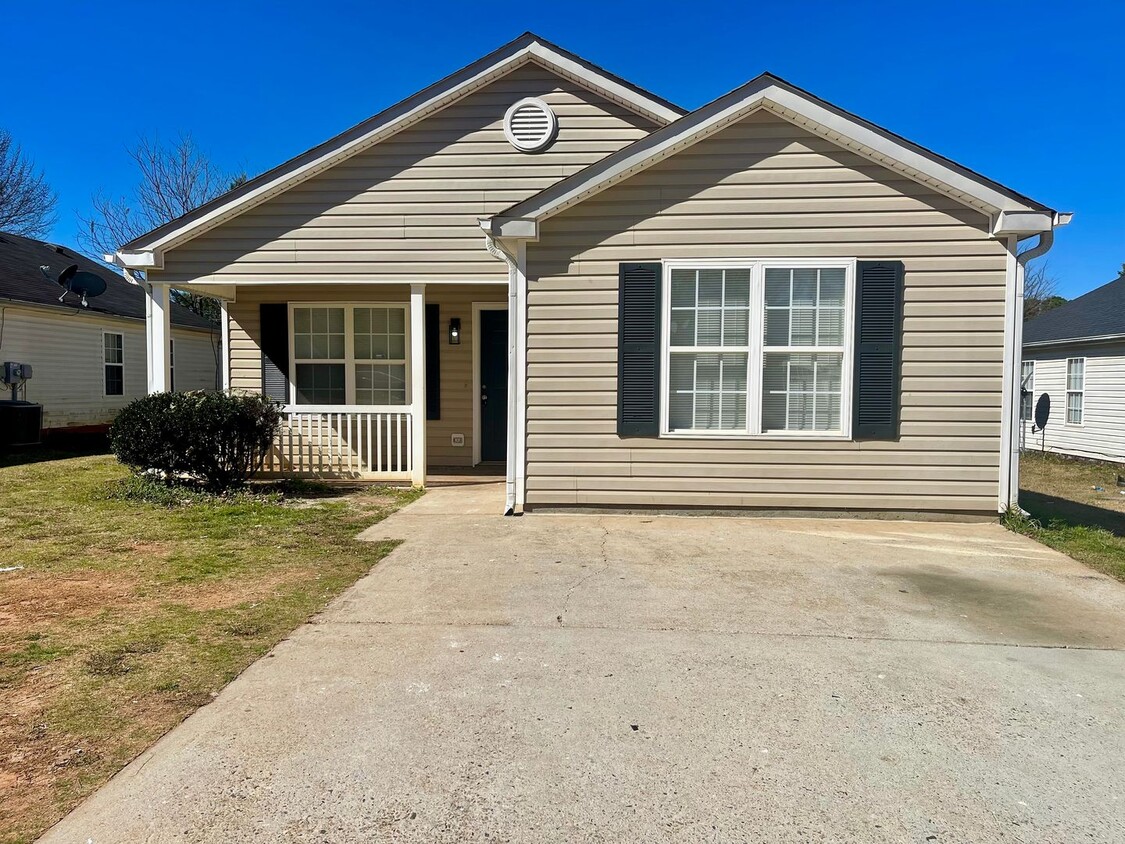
(1040, 291)
(175, 178)
(27, 203)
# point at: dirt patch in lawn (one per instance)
(126, 616)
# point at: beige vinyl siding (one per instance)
(456, 361)
(66, 353)
(407, 209)
(1102, 432)
(759, 189)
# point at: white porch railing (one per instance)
(338, 441)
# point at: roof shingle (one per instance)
(21, 280)
(1099, 313)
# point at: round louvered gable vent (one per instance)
(530, 125)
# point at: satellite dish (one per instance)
(85, 284)
(1042, 411)
(67, 274)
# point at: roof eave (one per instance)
(804, 109)
(388, 122)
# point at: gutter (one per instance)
(1013, 356)
(514, 449)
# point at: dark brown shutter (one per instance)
(638, 350)
(274, 330)
(433, 360)
(878, 350)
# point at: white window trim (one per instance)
(105, 363)
(349, 360)
(1067, 391)
(754, 351)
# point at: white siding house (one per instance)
(87, 362)
(1075, 355)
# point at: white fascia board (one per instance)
(610, 88)
(517, 229)
(1022, 223)
(287, 179)
(395, 123)
(135, 260)
(790, 105)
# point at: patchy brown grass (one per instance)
(1076, 507)
(128, 615)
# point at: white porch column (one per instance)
(158, 332)
(418, 382)
(224, 355)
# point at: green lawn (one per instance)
(127, 615)
(1076, 507)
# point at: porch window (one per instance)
(350, 354)
(760, 347)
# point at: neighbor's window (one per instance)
(782, 372)
(114, 356)
(1075, 389)
(1027, 390)
(349, 354)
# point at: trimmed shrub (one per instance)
(217, 439)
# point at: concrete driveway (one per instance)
(629, 678)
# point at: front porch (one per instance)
(376, 381)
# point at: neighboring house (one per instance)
(87, 362)
(1075, 354)
(767, 302)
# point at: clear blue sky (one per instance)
(1030, 93)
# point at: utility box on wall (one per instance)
(457, 440)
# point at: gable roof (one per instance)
(526, 48)
(810, 112)
(1097, 315)
(21, 280)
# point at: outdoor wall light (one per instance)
(455, 331)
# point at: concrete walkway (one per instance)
(630, 678)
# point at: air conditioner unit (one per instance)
(21, 423)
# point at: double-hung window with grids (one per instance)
(350, 354)
(758, 348)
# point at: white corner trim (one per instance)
(520, 401)
(1008, 489)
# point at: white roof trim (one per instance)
(146, 252)
(798, 107)
(1074, 341)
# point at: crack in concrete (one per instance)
(589, 575)
(767, 634)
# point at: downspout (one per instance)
(1012, 481)
(496, 251)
